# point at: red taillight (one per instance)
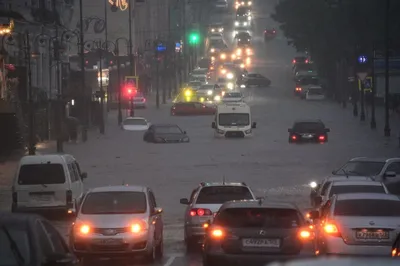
(331, 230)
(305, 234)
(294, 137)
(294, 61)
(200, 212)
(321, 138)
(298, 89)
(144, 100)
(69, 197)
(306, 61)
(14, 197)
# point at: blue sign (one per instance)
(362, 59)
(178, 45)
(161, 48)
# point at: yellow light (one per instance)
(136, 228)
(217, 233)
(233, 56)
(241, 65)
(212, 50)
(223, 71)
(188, 93)
(85, 229)
(223, 56)
(238, 52)
(201, 99)
(212, 58)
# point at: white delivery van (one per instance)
(233, 120)
(47, 183)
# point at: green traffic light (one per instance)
(194, 38)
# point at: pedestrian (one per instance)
(73, 125)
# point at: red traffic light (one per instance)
(131, 91)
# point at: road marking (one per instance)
(170, 261)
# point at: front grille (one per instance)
(106, 248)
(140, 245)
(172, 141)
(110, 231)
(234, 134)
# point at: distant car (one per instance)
(28, 239)
(216, 27)
(118, 221)
(135, 124)
(200, 72)
(257, 80)
(232, 97)
(195, 84)
(352, 186)
(221, 5)
(300, 60)
(191, 108)
(204, 203)
(265, 230)
(308, 131)
(336, 261)
(358, 224)
(319, 189)
(139, 101)
(315, 94)
(165, 133)
(304, 83)
(215, 36)
(240, 29)
(269, 34)
(208, 92)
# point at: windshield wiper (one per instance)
(14, 248)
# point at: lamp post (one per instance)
(119, 77)
(387, 116)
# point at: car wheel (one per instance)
(190, 245)
(86, 261)
(207, 261)
(152, 255)
(160, 249)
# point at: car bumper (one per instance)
(225, 259)
(41, 209)
(140, 245)
(139, 105)
(195, 231)
(233, 134)
(336, 246)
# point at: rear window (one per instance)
(356, 189)
(21, 238)
(114, 203)
(367, 207)
(258, 217)
(37, 174)
(233, 95)
(222, 194)
(308, 126)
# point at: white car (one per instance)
(118, 220)
(135, 124)
(139, 101)
(315, 94)
(195, 85)
(232, 97)
(215, 36)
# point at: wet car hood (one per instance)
(171, 136)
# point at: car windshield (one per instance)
(368, 207)
(204, 63)
(306, 127)
(356, 189)
(119, 202)
(195, 83)
(219, 44)
(135, 122)
(235, 119)
(216, 35)
(221, 194)
(20, 236)
(241, 12)
(361, 168)
(37, 174)
(167, 130)
(300, 59)
(233, 95)
(258, 218)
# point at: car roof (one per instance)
(355, 196)
(214, 184)
(135, 118)
(45, 159)
(371, 159)
(308, 121)
(165, 125)
(326, 261)
(357, 183)
(343, 178)
(259, 204)
(122, 188)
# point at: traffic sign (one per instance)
(132, 81)
(362, 75)
(362, 59)
(367, 84)
(161, 47)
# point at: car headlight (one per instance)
(185, 139)
(223, 71)
(229, 76)
(217, 98)
(236, 23)
(313, 184)
(230, 85)
(212, 30)
(248, 131)
(223, 56)
(242, 86)
(209, 92)
(249, 3)
(249, 18)
(188, 93)
(212, 50)
(234, 34)
(212, 58)
(244, 23)
(242, 65)
(221, 30)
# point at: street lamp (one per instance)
(119, 76)
(387, 25)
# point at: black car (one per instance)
(255, 229)
(165, 133)
(308, 131)
(28, 239)
(269, 34)
(257, 80)
(304, 82)
(300, 60)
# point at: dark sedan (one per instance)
(28, 239)
(257, 80)
(165, 133)
(308, 131)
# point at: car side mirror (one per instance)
(289, 130)
(334, 172)
(184, 201)
(213, 125)
(84, 175)
(60, 259)
(314, 215)
(158, 210)
(318, 200)
(327, 130)
(390, 174)
(254, 125)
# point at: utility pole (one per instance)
(106, 47)
(31, 137)
(373, 120)
(84, 101)
(102, 127)
(60, 105)
(157, 75)
(131, 56)
(119, 86)
(362, 101)
(185, 42)
(387, 77)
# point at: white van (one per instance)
(315, 94)
(233, 120)
(47, 183)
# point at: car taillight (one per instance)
(294, 61)
(331, 229)
(82, 229)
(321, 138)
(298, 89)
(305, 234)
(395, 252)
(144, 100)
(200, 212)
(217, 233)
(306, 61)
(69, 197)
(294, 137)
(14, 197)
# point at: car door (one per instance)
(200, 109)
(80, 186)
(75, 178)
(393, 183)
(156, 217)
(251, 79)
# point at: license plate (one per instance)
(108, 242)
(372, 234)
(42, 197)
(308, 136)
(261, 243)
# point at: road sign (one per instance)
(362, 75)
(161, 47)
(367, 84)
(362, 59)
(132, 81)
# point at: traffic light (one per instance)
(130, 90)
(194, 38)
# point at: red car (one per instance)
(191, 108)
